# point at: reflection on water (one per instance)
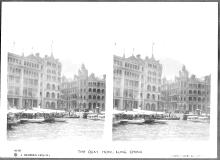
(173, 130)
(72, 129)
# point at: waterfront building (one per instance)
(52, 81)
(27, 81)
(84, 92)
(137, 83)
(186, 93)
(69, 93)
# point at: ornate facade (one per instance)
(186, 93)
(52, 81)
(84, 92)
(137, 83)
(27, 81)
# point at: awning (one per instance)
(14, 110)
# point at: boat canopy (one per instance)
(138, 112)
(14, 110)
(117, 111)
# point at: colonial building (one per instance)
(83, 92)
(69, 93)
(186, 93)
(27, 81)
(136, 83)
(52, 81)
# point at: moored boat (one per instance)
(49, 120)
(24, 120)
(60, 120)
(11, 123)
(73, 116)
(201, 119)
(101, 117)
(93, 116)
(135, 121)
(31, 120)
(160, 121)
(149, 121)
(37, 120)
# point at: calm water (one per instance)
(173, 130)
(71, 129)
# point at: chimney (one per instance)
(37, 54)
(138, 56)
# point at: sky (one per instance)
(183, 33)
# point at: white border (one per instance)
(150, 149)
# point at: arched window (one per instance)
(94, 105)
(103, 106)
(90, 97)
(94, 97)
(153, 107)
(194, 91)
(90, 90)
(149, 88)
(48, 105)
(148, 96)
(58, 96)
(53, 95)
(103, 90)
(154, 88)
(147, 106)
(98, 90)
(194, 98)
(90, 106)
(98, 97)
(54, 87)
(94, 90)
(48, 95)
(103, 97)
(153, 96)
(53, 105)
(48, 86)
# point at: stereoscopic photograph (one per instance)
(54, 89)
(149, 106)
(115, 80)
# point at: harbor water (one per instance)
(85, 129)
(173, 130)
(72, 129)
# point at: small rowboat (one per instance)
(38, 120)
(161, 121)
(24, 120)
(73, 116)
(136, 121)
(60, 120)
(11, 123)
(49, 120)
(149, 121)
(32, 120)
